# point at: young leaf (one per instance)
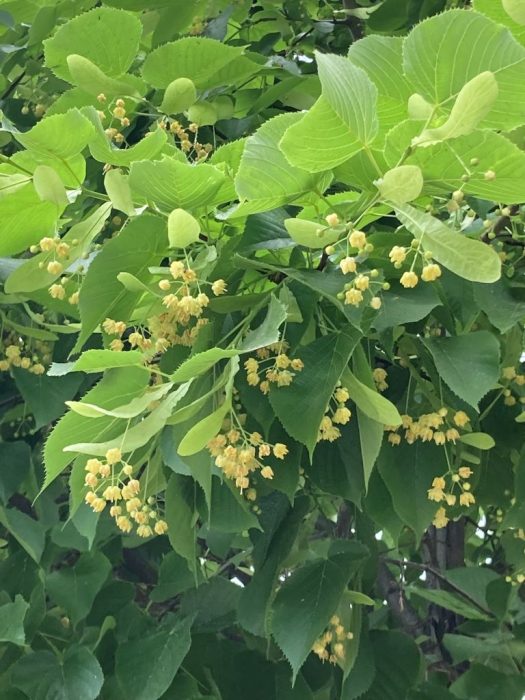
(370, 402)
(197, 364)
(49, 186)
(401, 184)
(515, 10)
(472, 260)
(117, 187)
(311, 234)
(183, 229)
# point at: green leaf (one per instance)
(119, 192)
(181, 517)
(15, 458)
(183, 229)
(324, 361)
(25, 220)
(437, 70)
(482, 441)
(397, 661)
(129, 410)
(140, 244)
(401, 184)
(137, 436)
(145, 667)
(202, 432)
(515, 10)
(408, 471)
(268, 332)
(496, 12)
(470, 259)
(28, 532)
(170, 184)
(340, 124)
(12, 621)
(473, 103)
(198, 58)
(265, 178)
(107, 37)
(75, 588)
(116, 387)
(93, 81)
(197, 364)
(307, 600)
(179, 96)
(49, 187)
(370, 401)
(402, 305)
(42, 674)
(311, 234)
(497, 301)
(468, 364)
(98, 361)
(60, 135)
(103, 150)
(45, 397)
(450, 601)
(30, 276)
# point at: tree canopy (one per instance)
(261, 370)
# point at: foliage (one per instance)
(261, 357)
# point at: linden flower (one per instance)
(461, 419)
(342, 416)
(357, 239)
(430, 273)
(177, 269)
(354, 297)
(161, 526)
(466, 499)
(375, 303)
(117, 345)
(362, 282)
(508, 373)
(113, 455)
(332, 219)
(279, 450)
(73, 299)
(46, 244)
(218, 287)
(347, 265)
(267, 472)
(93, 466)
(397, 254)
(394, 439)
(409, 279)
(465, 472)
(57, 291)
(37, 368)
(440, 519)
(164, 285)
(54, 267)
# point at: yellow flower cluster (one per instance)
(458, 482)
(514, 382)
(117, 112)
(361, 286)
(239, 454)
(336, 414)
(29, 358)
(202, 151)
(429, 427)
(110, 482)
(58, 291)
(380, 377)
(430, 273)
(331, 644)
(281, 371)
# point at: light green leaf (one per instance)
(118, 386)
(515, 10)
(340, 124)
(468, 364)
(106, 36)
(474, 102)
(41, 674)
(470, 259)
(437, 66)
(496, 12)
(202, 432)
(119, 192)
(137, 246)
(180, 94)
(129, 410)
(25, 220)
(311, 233)
(268, 332)
(30, 276)
(370, 402)
(137, 436)
(324, 360)
(89, 78)
(197, 58)
(75, 588)
(183, 229)
(482, 441)
(419, 108)
(146, 666)
(170, 184)
(103, 150)
(401, 184)
(98, 361)
(308, 599)
(12, 621)
(49, 187)
(450, 601)
(61, 135)
(197, 364)
(265, 178)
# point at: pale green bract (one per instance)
(401, 184)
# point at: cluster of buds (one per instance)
(331, 644)
(58, 291)
(513, 389)
(429, 427)
(32, 358)
(110, 482)
(186, 143)
(361, 285)
(239, 454)
(380, 377)
(430, 272)
(274, 364)
(118, 111)
(336, 414)
(441, 493)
